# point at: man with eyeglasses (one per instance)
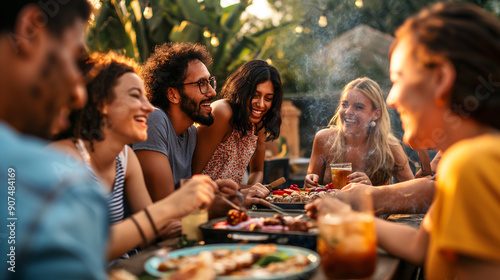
(179, 85)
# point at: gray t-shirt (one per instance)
(162, 138)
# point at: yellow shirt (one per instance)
(466, 215)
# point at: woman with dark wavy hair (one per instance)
(114, 116)
(247, 115)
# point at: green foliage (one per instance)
(293, 52)
(178, 21)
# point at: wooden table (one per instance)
(388, 267)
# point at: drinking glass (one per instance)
(347, 242)
(190, 223)
(340, 171)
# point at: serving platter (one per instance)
(287, 206)
(151, 265)
(295, 238)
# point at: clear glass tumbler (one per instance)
(347, 242)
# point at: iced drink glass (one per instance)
(340, 171)
(347, 242)
(190, 223)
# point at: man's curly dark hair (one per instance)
(167, 67)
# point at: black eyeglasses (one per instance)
(203, 84)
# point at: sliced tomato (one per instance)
(288, 191)
(278, 192)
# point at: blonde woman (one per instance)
(359, 133)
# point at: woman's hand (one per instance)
(227, 187)
(359, 177)
(253, 194)
(311, 181)
(197, 193)
(313, 208)
(172, 229)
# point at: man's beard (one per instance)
(190, 108)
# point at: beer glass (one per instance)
(347, 242)
(340, 171)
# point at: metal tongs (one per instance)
(232, 204)
(278, 209)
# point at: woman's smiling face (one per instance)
(261, 102)
(413, 95)
(129, 109)
(356, 112)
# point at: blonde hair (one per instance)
(380, 163)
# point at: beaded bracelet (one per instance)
(144, 240)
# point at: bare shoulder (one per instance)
(67, 146)
(393, 141)
(397, 150)
(222, 110)
(326, 134)
(395, 145)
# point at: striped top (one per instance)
(115, 199)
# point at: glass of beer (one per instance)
(340, 171)
(190, 223)
(347, 242)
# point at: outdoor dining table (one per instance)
(388, 267)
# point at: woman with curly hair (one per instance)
(114, 116)
(247, 115)
(359, 133)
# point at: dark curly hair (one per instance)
(104, 70)
(469, 37)
(241, 87)
(167, 67)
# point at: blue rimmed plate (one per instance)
(151, 265)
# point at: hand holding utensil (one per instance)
(274, 184)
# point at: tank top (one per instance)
(115, 199)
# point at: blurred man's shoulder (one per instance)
(35, 164)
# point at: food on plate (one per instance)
(295, 195)
(199, 268)
(121, 274)
(276, 223)
(259, 261)
(235, 216)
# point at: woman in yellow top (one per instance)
(445, 66)
(359, 133)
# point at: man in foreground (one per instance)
(55, 213)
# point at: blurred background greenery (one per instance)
(316, 45)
